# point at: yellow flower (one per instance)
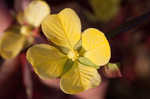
(14, 39)
(34, 13)
(77, 68)
(11, 43)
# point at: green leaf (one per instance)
(113, 66)
(78, 46)
(67, 66)
(85, 61)
(62, 49)
(112, 70)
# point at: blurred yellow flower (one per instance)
(11, 43)
(34, 13)
(14, 39)
(77, 68)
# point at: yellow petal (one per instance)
(79, 78)
(36, 12)
(46, 60)
(96, 46)
(63, 29)
(20, 18)
(11, 44)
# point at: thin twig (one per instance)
(128, 25)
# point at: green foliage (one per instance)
(105, 10)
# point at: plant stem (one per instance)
(1, 61)
(128, 25)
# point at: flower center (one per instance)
(73, 55)
(26, 30)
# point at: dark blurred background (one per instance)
(131, 48)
